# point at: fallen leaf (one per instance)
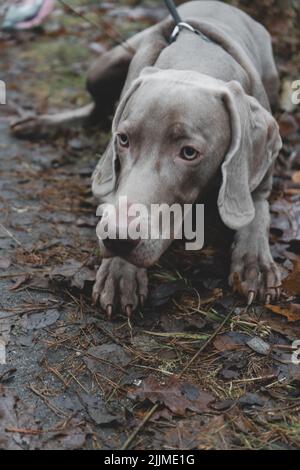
(258, 345)
(107, 359)
(194, 434)
(288, 125)
(97, 411)
(20, 281)
(236, 283)
(251, 399)
(36, 321)
(296, 177)
(234, 362)
(290, 311)
(163, 293)
(72, 437)
(13, 414)
(291, 284)
(230, 341)
(176, 395)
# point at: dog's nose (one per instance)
(119, 246)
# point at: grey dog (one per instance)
(193, 114)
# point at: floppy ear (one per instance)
(255, 144)
(104, 178)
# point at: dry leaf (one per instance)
(296, 177)
(291, 284)
(176, 395)
(230, 341)
(290, 311)
(20, 281)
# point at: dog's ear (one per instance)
(255, 144)
(104, 178)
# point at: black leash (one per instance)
(173, 10)
(180, 24)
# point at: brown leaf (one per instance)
(291, 284)
(288, 125)
(194, 434)
(290, 311)
(296, 177)
(176, 395)
(20, 281)
(236, 283)
(230, 341)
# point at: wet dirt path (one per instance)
(74, 380)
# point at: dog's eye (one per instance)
(123, 139)
(189, 153)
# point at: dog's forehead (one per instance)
(168, 102)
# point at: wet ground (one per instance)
(74, 380)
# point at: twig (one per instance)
(34, 432)
(204, 345)
(11, 235)
(256, 379)
(47, 402)
(161, 371)
(105, 24)
(8, 276)
(139, 428)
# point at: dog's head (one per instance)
(172, 133)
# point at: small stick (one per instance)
(11, 235)
(255, 379)
(34, 432)
(139, 428)
(47, 402)
(117, 37)
(204, 345)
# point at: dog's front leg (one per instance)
(253, 270)
(120, 284)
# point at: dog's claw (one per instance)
(278, 292)
(142, 300)
(119, 286)
(268, 299)
(95, 297)
(251, 297)
(129, 310)
(109, 311)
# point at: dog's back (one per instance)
(240, 48)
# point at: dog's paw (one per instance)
(256, 278)
(31, 127)
(120, 285)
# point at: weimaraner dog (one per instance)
(193, 113)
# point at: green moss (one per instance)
(59, 67)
